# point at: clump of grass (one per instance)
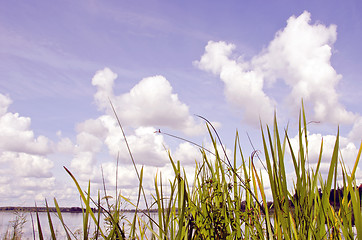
(15, 228)
(227, 199)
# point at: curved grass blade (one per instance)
(85, 200)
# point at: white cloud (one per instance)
(25, 169)
(243, 85)
(35, 184)
(147, 147)
(5, 101)
(65, 145)
(104, 81)
(127, 177)
(25, 165)
(356, 132)
(23, 176)
(88, 142)
(93, 126)
(84, 163)
(186, 154)
(150, 102)
(347, 151)
(17, 136)
(299, 55)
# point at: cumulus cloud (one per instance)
(147, 147)
(356, 132)
(16, 134)
(5, 101)
(89, 142)
(186, 154)
(25, 165)
(299, 55)
(25, 168)
(84, 163)
(18, 143)
(104, 81)
(24, 191)
(347, 151)
(127, 176)
(243, 85)
(150, 102)
(65, 145)
(95, 127)
(149, 150)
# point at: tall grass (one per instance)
(228, 200)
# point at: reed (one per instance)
(15, 228)
(227, 199)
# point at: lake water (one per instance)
(72, 220)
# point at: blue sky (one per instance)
(162, 62)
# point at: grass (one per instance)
(14, 230)
(227, 199)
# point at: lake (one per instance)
(72, 220)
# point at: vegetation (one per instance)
(15, 228)
(227, 199)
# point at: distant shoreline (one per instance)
(53, 209)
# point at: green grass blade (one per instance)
(331, 171)
(52, 232)
(84, 200)
(40, 233)
(86, 215)
(356, 162)
(61, 219)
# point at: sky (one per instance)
(162, 63)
